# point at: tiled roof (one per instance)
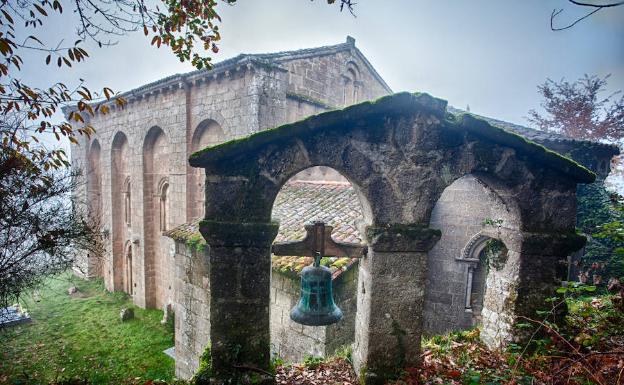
(298, 203)
(539, 136)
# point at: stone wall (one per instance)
(290, 341)
(192, 310)
(146, 145)
(293, 342)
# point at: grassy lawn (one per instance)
(81, 336)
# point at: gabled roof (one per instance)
(263, 59)
(399, 103)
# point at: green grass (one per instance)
(82, 336)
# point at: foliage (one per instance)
(494, 254)
(334, 370)
(81, 336)
(189, 28)
(203, 373)
(577, 109)
(40, 232)
(600, 216)
(312, 362)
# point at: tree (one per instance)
(40, 230)
(593, 6)
(578, 111)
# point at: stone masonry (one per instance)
(139, 184)
(400, 153)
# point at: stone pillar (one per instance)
(391, 292)
(240, 278)
(535, 267)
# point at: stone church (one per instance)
(149, 200)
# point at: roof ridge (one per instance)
(531, 133)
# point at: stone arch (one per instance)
(298, 203)
(94, 201)
(469, 213)
(352, 83)
(400, 153)
(120, 184)
(208, 133)
(155, 169)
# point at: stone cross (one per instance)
(318, 241)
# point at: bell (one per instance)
(316, 306)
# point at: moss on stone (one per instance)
(196, 242)
(400, 103)
(391, 104)
(533, 151)
(402, 237)
(204, 372)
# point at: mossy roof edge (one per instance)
(393, 104)
(536, 152)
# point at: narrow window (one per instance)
(128, 204)
(163, 207)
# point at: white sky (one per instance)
(489, 54)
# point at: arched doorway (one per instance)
(470, 215)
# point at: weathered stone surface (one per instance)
(400, 153)
(413, 151)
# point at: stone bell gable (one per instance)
(400, 153)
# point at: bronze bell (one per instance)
(316, 306)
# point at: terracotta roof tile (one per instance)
(298, 203)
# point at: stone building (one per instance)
(138, 179)
(150, 200)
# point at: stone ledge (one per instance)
(402, 237)
(244, 234)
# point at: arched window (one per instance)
(351, 84)
(128, 203)
(164, 187)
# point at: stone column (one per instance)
(391, 292)
(240, 278)
(534, 269)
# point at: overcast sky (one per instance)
(489, 54)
